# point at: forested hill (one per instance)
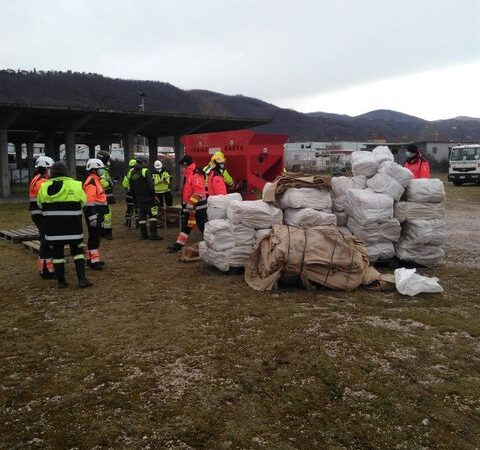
(96, 91)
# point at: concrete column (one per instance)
(30, 162)
(18, 154)
(105, 145)
(152, 150)
(52, 148)
(70, 153)
(4, 171)
(178, 147)
(91, 150)
(128, 148)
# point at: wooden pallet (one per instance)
(23, 234)
(32, 246)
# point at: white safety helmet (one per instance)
(94, 163)
(158, 165)
(44, 161)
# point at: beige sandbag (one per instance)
(322, 255)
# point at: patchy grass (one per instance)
(160, 354)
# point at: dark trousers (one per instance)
(95, 233)
(200, 218)
(45, 250)
(76, 250)
(132, 210)
(165, 198)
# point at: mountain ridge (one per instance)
(97, 91)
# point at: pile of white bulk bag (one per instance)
(423, 222)
(370, 218)
(229, 242)
(217, 205)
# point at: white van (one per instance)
(464, 164)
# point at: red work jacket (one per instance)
(193, 185)
(216, 184)
(35, 184)
(419, 167)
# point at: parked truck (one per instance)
(464, 164)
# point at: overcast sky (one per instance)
(420, 57)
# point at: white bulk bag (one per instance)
(396, 171)
(319, 199)
(342, 218)
(373, 232)
(308, 218)
(340, 187)
(364, 163)
(425, 190)
(382, 153)
(418, 211)
(426, 255)
(380, 251)
(217, 205)
(243, 235)
(385, 184)
(432, 232)
(254, 214)
(408, 282)
(368, 206)
(218, 235)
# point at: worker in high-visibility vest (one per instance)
(43, 164)
(61, 199)
(107, 183)
(94, 210)
(162, 183)
(132, 209)
(218, 160)
(141, 185)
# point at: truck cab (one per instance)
(464, 164)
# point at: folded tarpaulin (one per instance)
(320, 255)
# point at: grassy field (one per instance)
(160, 354)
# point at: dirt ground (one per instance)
(161, 354)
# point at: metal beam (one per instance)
(78, 123)
(145, 123)
(128, 148)
(152, 150)
(9, 119)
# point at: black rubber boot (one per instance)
(153, 231)
(60, 274)
(143, 231)
(173, 248)
(96, 266)
(80, 269)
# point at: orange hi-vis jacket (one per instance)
(96, 197)
(35, 184)
(216, 183)
(193, 192)
(419, 167)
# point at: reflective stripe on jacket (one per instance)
(96, 197)
(161, 181)
(61, 200)
(193, 190)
